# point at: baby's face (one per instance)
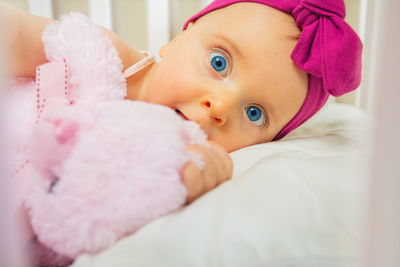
(231, 73)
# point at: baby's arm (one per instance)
(22, 37)
(218, 168)
(24, 46)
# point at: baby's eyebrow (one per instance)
(231, 43)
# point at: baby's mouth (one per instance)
(181, 114)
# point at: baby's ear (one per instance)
(164, 49)
(189, 25)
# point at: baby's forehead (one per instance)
(245, 18)
(259, 33)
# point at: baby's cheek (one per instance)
(167, 88)
(161, 94)
(158, 89)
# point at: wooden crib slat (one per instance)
(158, 17)
(41, 8)
(100, 12)
(367, 31)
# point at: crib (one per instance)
(155, 22)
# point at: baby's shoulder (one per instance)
(128, 54)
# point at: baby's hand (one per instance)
(218, 168)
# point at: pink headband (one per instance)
(328, 50)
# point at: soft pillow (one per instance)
(296, 202)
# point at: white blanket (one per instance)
(297, 202)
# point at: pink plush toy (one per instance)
(102, 172)
(90, 166)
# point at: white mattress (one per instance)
(297, 202)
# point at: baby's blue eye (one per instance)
(219, 63)
(256, 115)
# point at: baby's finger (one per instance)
(226, 163)
(192, 179)
(210, 172)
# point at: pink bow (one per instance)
(328, 48)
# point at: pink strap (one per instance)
(52, 86)
(52, 90)
(149, 59)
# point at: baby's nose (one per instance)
(217, 108)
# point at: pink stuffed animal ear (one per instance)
(55, 136)
(65, 131)
(51, 143)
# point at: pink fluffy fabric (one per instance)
(103, 171)
(103, 167)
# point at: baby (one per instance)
(247, 72)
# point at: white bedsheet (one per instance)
(297, 202)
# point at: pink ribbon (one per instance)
(328, 47)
